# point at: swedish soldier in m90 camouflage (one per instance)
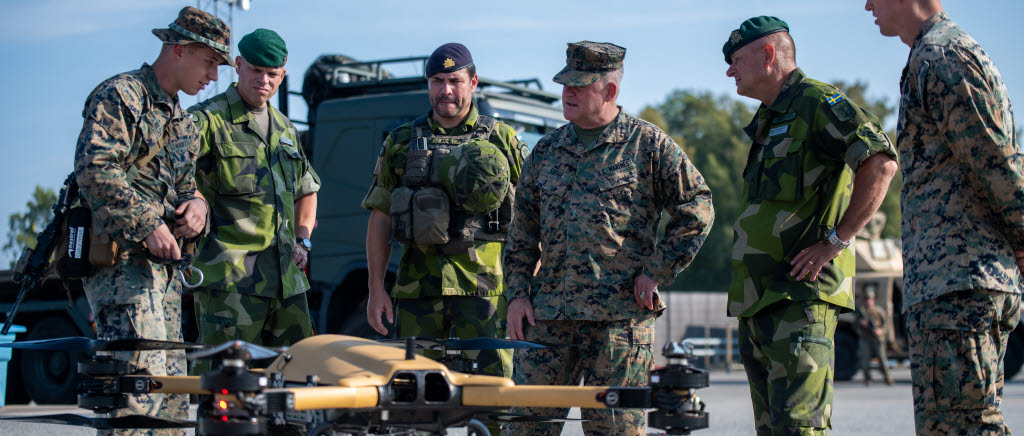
(963, 219)
(588, 208)
(262, 196)
(792, 267)
(135, 164)
(453, 168)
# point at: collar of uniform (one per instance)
(927, 26)
(236, 106)
(160, 96)
(616, 132)
(788, 92)
(464, 127)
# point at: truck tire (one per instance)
(50, 377)
(1014, 353)
(847, 349)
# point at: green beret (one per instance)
(750, 31)
(263, 48)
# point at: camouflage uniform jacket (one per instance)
(963, 186)
(251, 183)
(424, 271)
(595, 211)
(797, 184)
(125, 116)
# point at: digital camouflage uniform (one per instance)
(963, 215)
(595, 209)
(125, 116)
(797, 185)
(436, 292)
(252, 289)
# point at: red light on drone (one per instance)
(224, 391)
(223, 405)
(224, 419)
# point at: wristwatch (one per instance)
(305, 243)
(835, 241)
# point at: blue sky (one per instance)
(55, 52)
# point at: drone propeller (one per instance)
(82, 344)
(465, 344)
(235, 350)
(123, 422)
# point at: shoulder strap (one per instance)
(484, 126)
(141, 162)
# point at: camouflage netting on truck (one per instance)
(323, 75)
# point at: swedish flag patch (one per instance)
(835, 99)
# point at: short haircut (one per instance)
(785, 48)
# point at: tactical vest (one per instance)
(422, 212)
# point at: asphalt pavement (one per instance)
(858, 410)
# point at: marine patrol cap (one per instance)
(263, 48)
(448, 58)
(750, 31)
(586, 62)
(194, 25)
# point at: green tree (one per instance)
(24, 226)
(710, 131)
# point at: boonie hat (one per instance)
(195, 25)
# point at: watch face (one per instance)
(305, 243)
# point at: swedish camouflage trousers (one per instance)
(141, 300)
(957, 344)
(788, 353)
(227, 316)
(600, 353)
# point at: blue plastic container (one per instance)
(5, 356)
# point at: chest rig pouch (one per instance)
(423, 213)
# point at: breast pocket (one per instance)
(781, 173)
(291, 168)
(236, 168)
(617, 191)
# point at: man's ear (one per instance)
(611, 91)
(178, 50)
(769, 55)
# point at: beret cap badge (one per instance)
(448, 63)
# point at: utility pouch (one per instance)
(401, 215)
(71, 258)
(436, 156)
(102, 249)
(417, 165)
(430, 216)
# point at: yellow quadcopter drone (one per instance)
(331, 384)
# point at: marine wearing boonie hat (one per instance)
(750, 31)
(448, 58)
(263, 48)
(586, 62)
(194, 25)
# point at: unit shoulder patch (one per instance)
(841, 107)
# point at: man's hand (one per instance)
(301, 255)
(193, 218)
(379, 302)
(643, 291)
(162, 244)
(811, 259)
(1019, 254)
(517, 310)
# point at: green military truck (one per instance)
(880, 268)
(351, 108)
